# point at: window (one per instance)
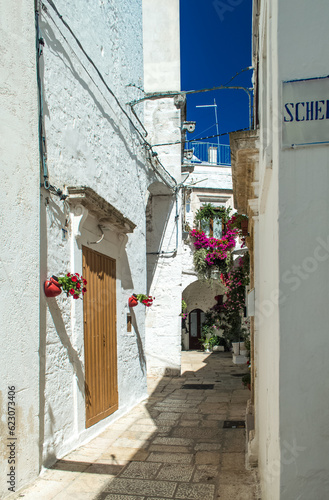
(212, 228)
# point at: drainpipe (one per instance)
(42, 139)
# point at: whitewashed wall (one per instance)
(19, 259)
(91, 143)
(292, 368)
(163, 120)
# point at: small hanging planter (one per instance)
(132, 301)
(73, 284)
(52, 287)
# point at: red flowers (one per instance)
(147, 300)
(73, 285)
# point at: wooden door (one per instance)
(100, 339)
(196, 319)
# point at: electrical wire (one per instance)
(143, 141)
(239, 73)
(202, 138)
(94, 66)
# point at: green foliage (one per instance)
(235, 282)
(200, 264)
(184, 305)
(236, 220)
(208, 211)
(247, 343)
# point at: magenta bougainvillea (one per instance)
(235, 282)
(217, 249)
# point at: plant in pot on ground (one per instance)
(207, 339)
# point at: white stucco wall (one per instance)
(163, 121)
(19, 269)
(292, 369)
(161, 46)
(91, 143)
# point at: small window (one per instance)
(212, 228)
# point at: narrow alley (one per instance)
(174, 445)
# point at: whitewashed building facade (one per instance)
(280, 176)
(107, 208)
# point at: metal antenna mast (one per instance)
(213, 106)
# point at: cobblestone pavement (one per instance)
(172, 446)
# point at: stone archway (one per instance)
(199, 295)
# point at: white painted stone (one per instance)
(90, 142)
(238, 359)
(20, 285)
(291, 341)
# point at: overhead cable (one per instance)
(202, 138)
(143, 141)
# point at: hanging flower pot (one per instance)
(133, 301)
(73, 285)
(52, 287)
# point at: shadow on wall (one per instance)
(160, 204)
(53, 43)
(141, 353)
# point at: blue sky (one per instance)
(215, 45)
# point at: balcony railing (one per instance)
(208, 152)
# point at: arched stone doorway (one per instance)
(199, 296)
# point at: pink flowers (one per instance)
(218, 248)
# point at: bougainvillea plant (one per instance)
(73, 284)
(212, 251)
(147, 300)
(235, 282)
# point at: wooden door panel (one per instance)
(100, 336)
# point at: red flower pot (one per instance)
(132, 301)
(52, 287)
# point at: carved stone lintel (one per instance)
(106, 214)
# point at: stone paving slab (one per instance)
(195, 491)
(142, 487)
(170, 447)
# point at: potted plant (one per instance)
(52, 288)
(206, 344)
(219, 343)
(133, 301)
(147, 300)
(72, 284)
(239, 221)
(207, 338)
